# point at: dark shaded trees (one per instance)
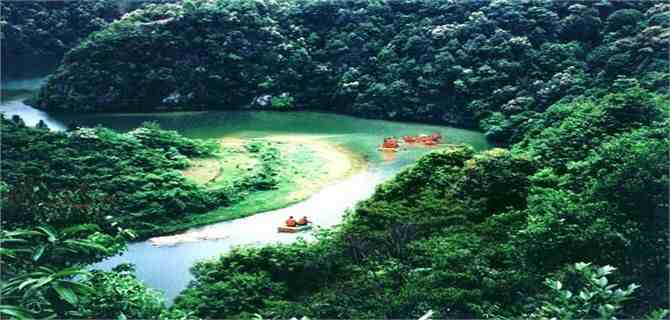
(476, 63)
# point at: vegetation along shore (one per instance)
(560, 212)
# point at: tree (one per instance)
(39, 267)
(593, 297)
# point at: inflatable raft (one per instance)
(287, 229)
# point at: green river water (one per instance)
(166, 268)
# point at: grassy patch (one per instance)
(263, 175)
(256, 202)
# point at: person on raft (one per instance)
(303, 221)
(290, 222)
(390, 143)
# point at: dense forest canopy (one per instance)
(36, 34)
(492, 64)
(472, 235)
(568, 221)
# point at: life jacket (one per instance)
(302, 221)
(290, 222)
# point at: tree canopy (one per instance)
(574, 94)
(492, 64)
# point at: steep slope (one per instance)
(492, 64)
(36, 34)
(472, 235)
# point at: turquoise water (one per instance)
(359, 135)
(167, 268)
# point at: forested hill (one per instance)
(473, 235)
(36, 34)
(569, 222)
(492, 64)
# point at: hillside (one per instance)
(565, 218)
(36, 34)
(494, 65)
(473, 235)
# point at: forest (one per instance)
(40, 32)
(566, 217)
(490, 65)
(480, 232)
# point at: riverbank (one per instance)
(333, 132)
(307, 164)
(316, 163)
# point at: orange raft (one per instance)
(428, 140)
(390, 144)
(287, 229)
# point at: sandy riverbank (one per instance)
(312, 163)
(331, 162)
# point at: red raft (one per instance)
(429, 140)
(390, 144)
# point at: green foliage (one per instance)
(497, 180)
(566, 132)
(492, 63)
(245, 58)
(266, 175)
(117, 295)
(282, 102)
(250, 279)
(239, 292)
(88, 185)
(93, 175)
(611, 206)
(44, 275)
(624, 18)
(472, 235)
(593, 297)
(36, 34)
(577, 90)
(39, 266)
(151, 135)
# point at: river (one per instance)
(166, 268)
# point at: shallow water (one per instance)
(167, 268)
